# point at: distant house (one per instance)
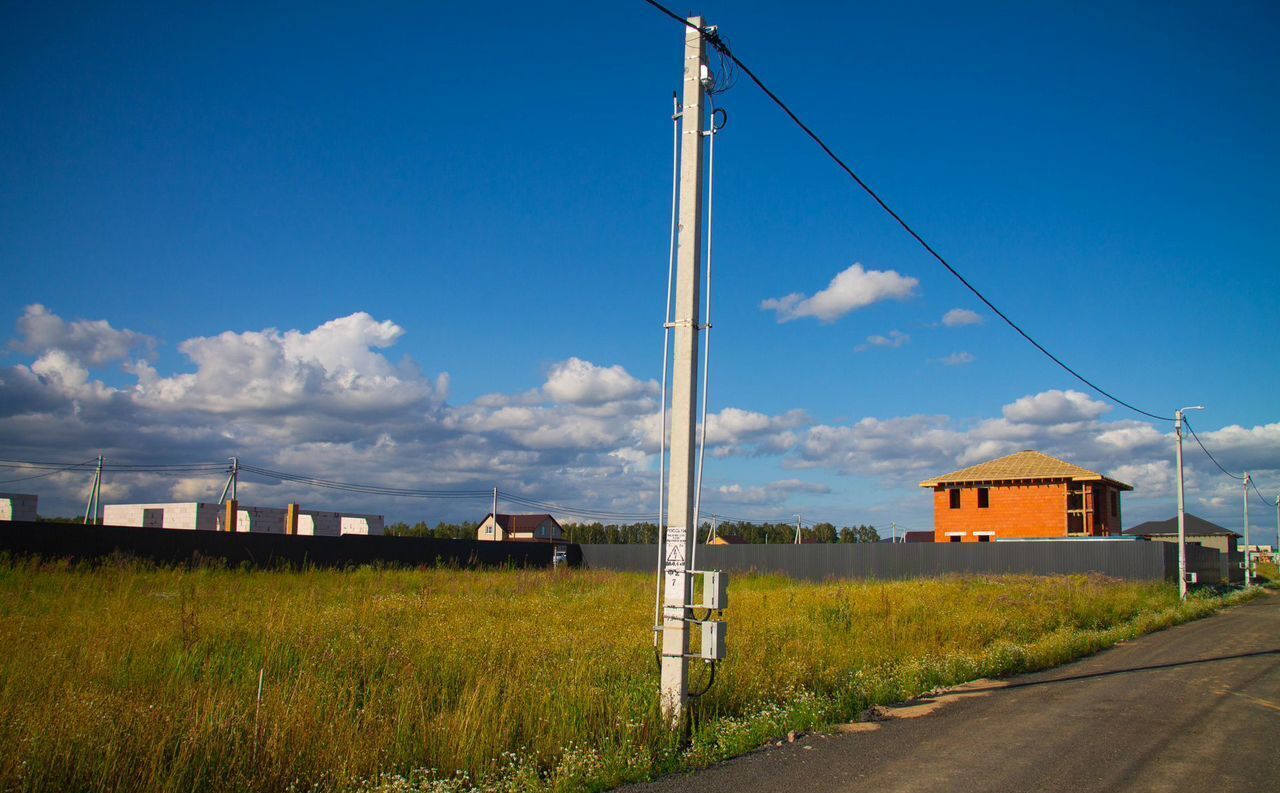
(728, 539)
(18, 506)
(1200, 532)
(1024, 495)
(918, 536)
(520, 528)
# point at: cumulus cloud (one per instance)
(579, 382)
(959, 317)
(773, 493)
(332, 402)
(850, 290)
(92, 342)
(1054, 407)
(893, 341)
(957, 359)
(334, 369)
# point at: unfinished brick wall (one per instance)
(1027, 510)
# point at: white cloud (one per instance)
(958, 317)
(91, 342)
(850, 290)
(330, 402)
(579, 382)
(1055, 407)
(957, 359)
(893, 341)
(334, 369)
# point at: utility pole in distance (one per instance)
(681, 531)
(1182, 508)
(1248, 557)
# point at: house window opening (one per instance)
(954, 538)
(955, 498)
(984, 497)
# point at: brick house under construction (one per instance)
(1024, 495)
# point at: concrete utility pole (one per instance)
(1248, 557)
(1182, 508)
(797, 529)
(681, 531)
(94, 506)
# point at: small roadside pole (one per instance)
(1182, 508)
(1248, 555)
(94, 506)
(232, 506)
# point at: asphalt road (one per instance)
(1192, 708)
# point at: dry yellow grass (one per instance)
(126, 677)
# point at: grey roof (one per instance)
(1196, 527)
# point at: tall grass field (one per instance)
(129, 677)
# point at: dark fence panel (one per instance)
(69, 541)
(1133, 560)
(1207, 563)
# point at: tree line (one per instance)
(640, 533)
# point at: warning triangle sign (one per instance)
(675, 555)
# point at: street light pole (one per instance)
(1248, 557)
(1182, 507)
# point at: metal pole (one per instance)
(684, 391)
(1182, 514)
(97, 495)
(90, 507)
(710, 134)
(1248, 557)
(667, 325)
(1182, 507)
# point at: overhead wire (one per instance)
(1254, 483)
(1208, 453)
(363, 488)
(717, 41)
(72, 467)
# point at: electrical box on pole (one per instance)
(715, 590)
(712, 647)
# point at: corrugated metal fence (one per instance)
(1134, 560)
(83, 543)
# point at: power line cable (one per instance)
(650, 517)
(713, 37)
(1270, 503)
(1206, 451)
(353, 487)
(71, 467)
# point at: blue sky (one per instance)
(496, 185)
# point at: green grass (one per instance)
(127, 677)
